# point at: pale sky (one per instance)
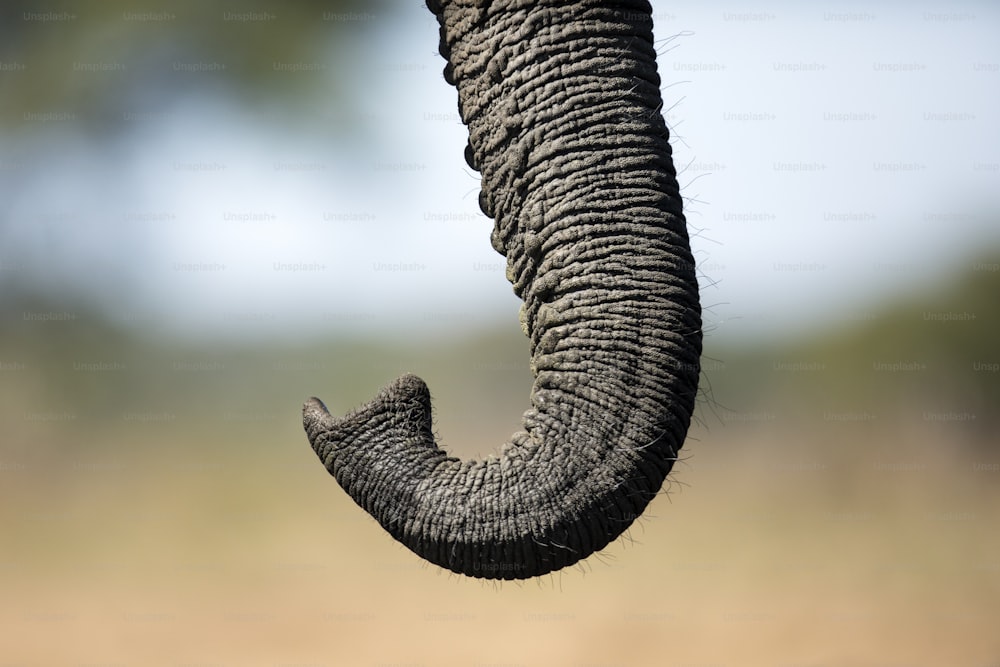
(833, 155)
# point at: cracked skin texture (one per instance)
(562, 102)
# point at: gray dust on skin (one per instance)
(562, 102)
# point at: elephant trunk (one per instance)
(562, 102)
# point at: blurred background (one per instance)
(210, 212)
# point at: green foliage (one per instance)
(930, 362)
(99, 60)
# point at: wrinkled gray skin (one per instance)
(562, 102)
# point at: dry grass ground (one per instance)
(775, 546)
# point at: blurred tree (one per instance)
(95, 63)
